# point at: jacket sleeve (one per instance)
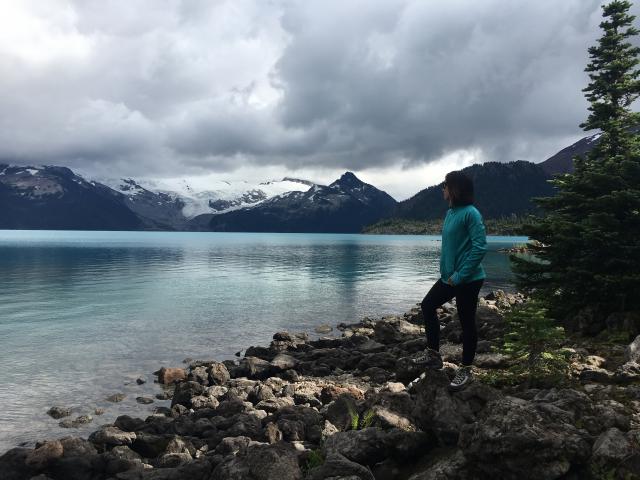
(475, 228)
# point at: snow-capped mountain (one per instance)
(49, 197)
(200, 195)
(346, 205)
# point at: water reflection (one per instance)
(81, 312)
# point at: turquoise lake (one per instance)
(84, 314)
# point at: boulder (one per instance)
(168, 376)
(232, 445)
(256, 368)
(627, 373)
(200, 375)
(282, 362)
(129, 424)
(169, 460)
(58, 412)
(336, 467)
(332, 392)
(151, 445)
(260, 462)
(204, 401)
(395, 330)
(77, 447)
(508, 427)
(616, 455)
(370, 446)
(596, 374)
(108, 436)
(218, 374)
(323, 329)
(184, 392)
(44, 455)
(632, 351)
(13, 466)
(116, 398)
(450, 465)
(444, 413)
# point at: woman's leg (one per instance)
(467, 303)
(440, 293)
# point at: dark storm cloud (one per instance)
(151, 88)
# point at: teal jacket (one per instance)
(464, 244)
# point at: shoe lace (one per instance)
(461, 375)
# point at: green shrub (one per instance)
(534, 343)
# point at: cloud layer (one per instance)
(174, 87)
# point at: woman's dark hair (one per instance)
(460, 188)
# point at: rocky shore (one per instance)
(338, 407)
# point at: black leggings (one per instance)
(467, 302)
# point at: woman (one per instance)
(464, 244)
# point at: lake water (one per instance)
(84, 314)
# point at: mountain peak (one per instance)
(348, 179)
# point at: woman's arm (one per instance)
(477, 233)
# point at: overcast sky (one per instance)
(398, 91)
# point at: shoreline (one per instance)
(339, 405)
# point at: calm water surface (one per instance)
(83, 314)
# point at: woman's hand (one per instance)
(450, 281)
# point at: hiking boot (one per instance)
(463, 377)
(428, 359)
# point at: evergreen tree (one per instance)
(586, 248)
(534, 340)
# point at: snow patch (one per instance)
(593, 138)
(197, 193)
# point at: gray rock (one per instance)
(204, 401)
(510, 426)
(340, 412)
(144, 400)
(395, 330)
(45, 455)
(129, 424)
(627, 373)
(370, 446)
(199, 374)
(632, 352)
(272, 433)
(184, 392)
(12, 464)
(232, 445)
(323, 329)
(596, 374)
(77, 447)
(611, 447)
(328, 429)
(111, 436)
(218, 374)
(169, 460)
(58, 412)
(282, 362)
(444, 413)
(260, 462)
(259, 393)
(256, 368)
(116, 397)
(491, 360)
(449, 466)
(337, 466)
(274, 404)
(150, 445)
